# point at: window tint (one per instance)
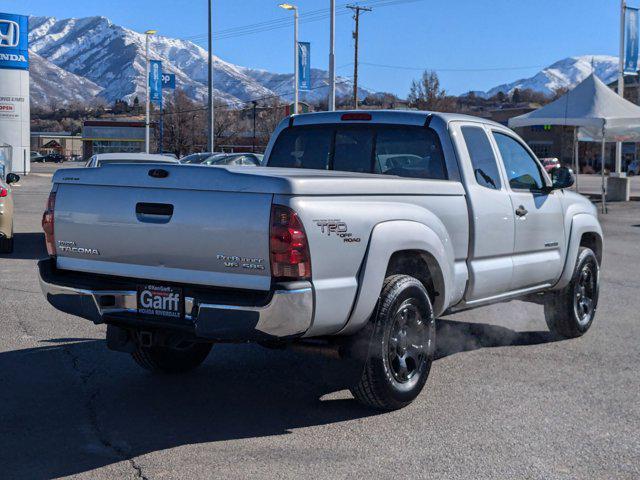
(409, 152)
(522, 169)
(352, 150)
(405, 151)
(302, 147)
(483, 160)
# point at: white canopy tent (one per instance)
(597, 112)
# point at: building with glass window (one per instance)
(112, 136)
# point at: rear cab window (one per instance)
(401, 150)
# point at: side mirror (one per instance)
(12, 178)
(562, 177)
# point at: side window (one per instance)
(522, 170)
(483, 160)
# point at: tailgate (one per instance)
(216, 238)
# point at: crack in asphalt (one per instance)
(90, 405)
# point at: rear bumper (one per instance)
(286, 313)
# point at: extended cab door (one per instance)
(491, 215)
(539, 225)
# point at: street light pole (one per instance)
(148, 33)
(623, 6)
(212, 141)
(332, 58)
(288, 6)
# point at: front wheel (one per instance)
(171, 359)
(570, 312)
(401, 346)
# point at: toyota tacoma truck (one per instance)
(359, 231)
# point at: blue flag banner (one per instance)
(169, 80)
(14, 41)
(304, 65)
(631, 41)
(155, 82)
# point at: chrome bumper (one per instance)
(289, 313)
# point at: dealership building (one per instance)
(112, 136)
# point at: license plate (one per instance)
(161, 301)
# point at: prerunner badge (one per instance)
(160, 301)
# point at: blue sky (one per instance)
(474, 44)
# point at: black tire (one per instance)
(397, 365)
(6, 245)
(570, 312)
(171, 360)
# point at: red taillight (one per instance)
(355, 117)
(288, 246)
(3, 192)
(48, 224)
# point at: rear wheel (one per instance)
(171, 359)
(570, 312)
(401, 346)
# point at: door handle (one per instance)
(521, 211)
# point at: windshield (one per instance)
(406, 151)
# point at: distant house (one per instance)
(57, 142)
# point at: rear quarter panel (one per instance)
(337, 254)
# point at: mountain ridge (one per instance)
(113, 57)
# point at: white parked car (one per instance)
(101, 159)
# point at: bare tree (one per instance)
(426, 94)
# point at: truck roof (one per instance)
(406, 117)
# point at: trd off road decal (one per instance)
(337, 228)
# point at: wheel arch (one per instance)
(403, 247)
(585, 231)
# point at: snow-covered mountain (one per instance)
(51, 85)
(565, 73)
(112, 57)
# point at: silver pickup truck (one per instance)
(361, 229)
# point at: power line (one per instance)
(311, 16)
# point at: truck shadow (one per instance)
(68, 408)
(27, 246)
(71, 406)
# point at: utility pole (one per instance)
(356, 16)
(332, 57)
(212, 140)
(255, 104)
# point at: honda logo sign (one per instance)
(14, 41)
(9, 33)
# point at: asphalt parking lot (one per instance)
(505, 399)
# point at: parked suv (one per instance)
(361, 230)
